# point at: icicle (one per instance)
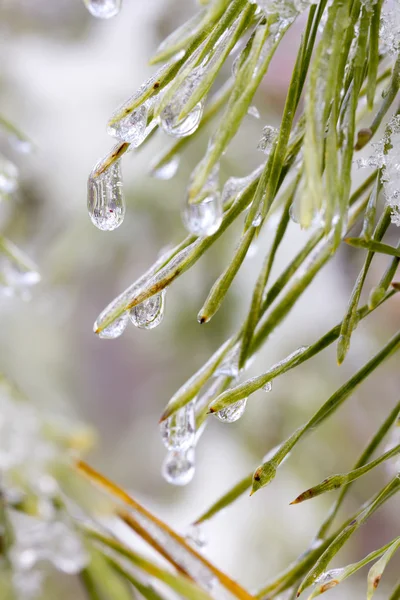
(391, 166)
(167, 170)
(103, 9)
(150, 313)
(106, 204)
(267, 139)
(232, 413)
(116, 328)
(8, 176)
(178, 431)
(131, 128)
(179, 466)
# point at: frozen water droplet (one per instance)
(204, 218)
(170, 124)
(106, 204)
(167, 170)
(267, 387)
(103, 9)
(8, 176)
(178, 431)
(267, 139)
(293, 214)
(150, 313)
(132, 127)
(116, 328)
(257, 220)
(232, 413)
(179, 466)
(253, 112)
(196, 536)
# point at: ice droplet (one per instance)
(178, 431)
(132, 127)
(253, 112)
(167, 170)
(268, 137)
(196, 536)
(267, 387)
(103, 9)
(116, 328)
(150, 313)
(232, 413)
(8, 176)
(205, 217)
(179, 466)
(170, 124)
(106, 204)
(257, 220)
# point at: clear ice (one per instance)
(150, 313)
(106, 204)
(103, 9)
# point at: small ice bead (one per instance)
(232, 413)
(106, 204)
(170, 124)
(150, 313)
(116, 328)
(132, 128)
(178, 431)
(103, 9)
(8, 176)
(267, 387)
(205, 217)
(179, 466)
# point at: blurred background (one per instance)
(62, 75)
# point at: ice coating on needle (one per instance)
(178, 431)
